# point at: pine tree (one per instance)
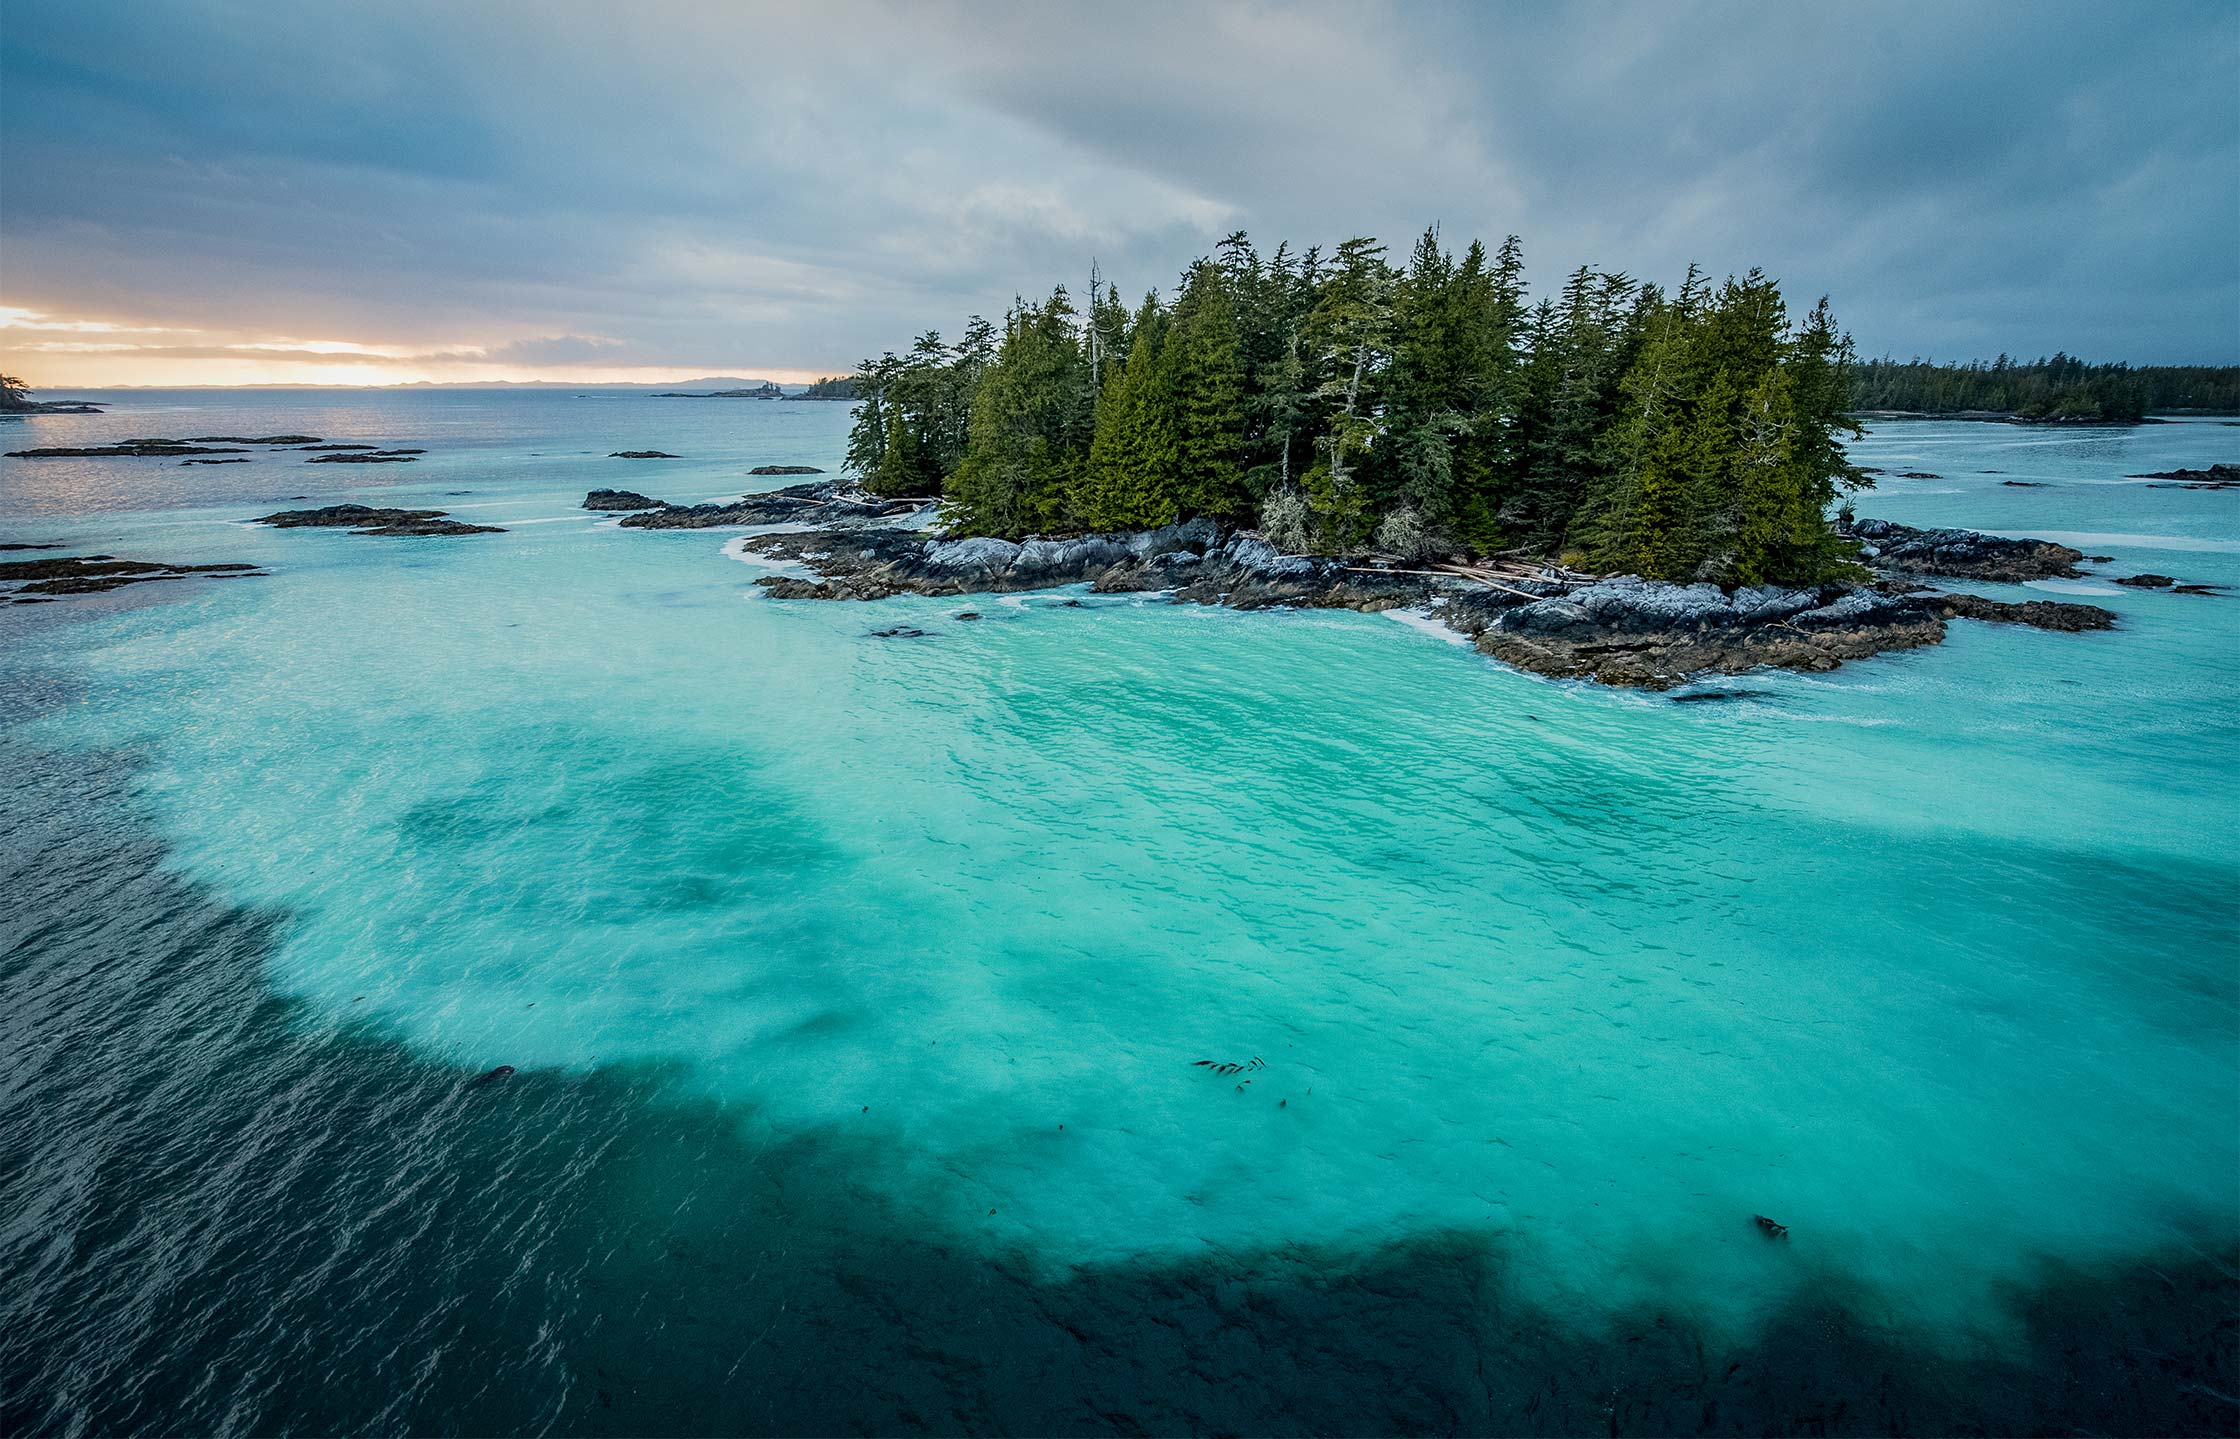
(903, 470)
(1031, 424)
(1205, 388)
(1135, 448)
(1349, 336)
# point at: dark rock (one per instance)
(1620, 630)
(254, 440)
(2025, 484)
(823, 502)
(899, 632)
(226, 460)
(968, 615)
(1917, 475)
(643, 455)
(339, 447)
(1639, 632)
(360, 457)
(23, 545)
(2199, 589)
(2041, 614)
(2101, 559)
(791, 587)
(621, 500)
(2147, 582)
(1961, 554)
(363, 520)
(2216, 477)
(141, 449)
(95, 574)
(785, 470)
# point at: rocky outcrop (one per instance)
(13, 404)
(367, 457)
(2039, 614)
(2147, 582)
(2216, 477)
(1629, 631)
(220, 460)
(298, 440)
(824, 503)
(643, 455)
(785, 470)
(193, 445)
(364, 520)
(34, 580)
(622, 500)
(126, 449)
(1961, 554)
(1617, 630)
(869, 564)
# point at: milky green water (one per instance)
(1933, 959)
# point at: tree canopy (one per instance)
(1345, 403)
(2062, 388)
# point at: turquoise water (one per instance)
(1932, 959)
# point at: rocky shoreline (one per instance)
(1961, 554)
(1619, 630)
(822, 502)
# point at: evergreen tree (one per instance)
(1136, 448)
(1205, 391)
(1421, 411)
(1349, 335)
(1032, 418)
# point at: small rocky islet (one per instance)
(367, 520)
(2216, 477)
(44, 580)
(222, 449)
(1615, 629)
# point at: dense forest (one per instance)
(1343, 404)
(2059, 389)
(831, 387)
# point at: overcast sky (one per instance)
(203, 192)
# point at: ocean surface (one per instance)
(856, 987)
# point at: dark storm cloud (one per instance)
(709, 186)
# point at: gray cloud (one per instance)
(793, 187)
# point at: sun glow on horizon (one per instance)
(60, 352)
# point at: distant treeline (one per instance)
(1343, 404)
(2058, 389)
(832, 387)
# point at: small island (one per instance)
(1626, 483)
(767, 390)
(15, 399)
